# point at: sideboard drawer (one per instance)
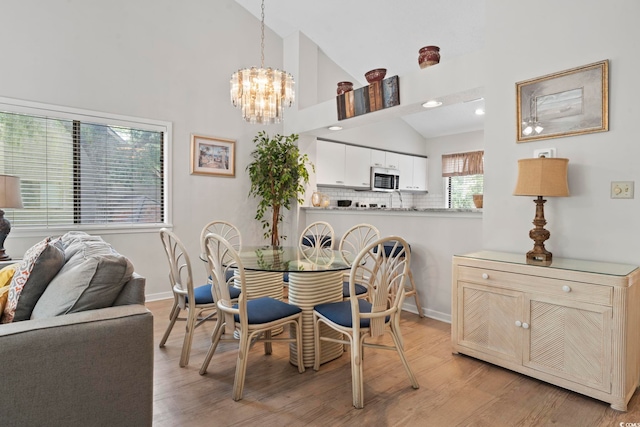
(577, 291)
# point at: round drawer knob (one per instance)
(525, 325)
(485, 276)
(518, 323)
(566, 288)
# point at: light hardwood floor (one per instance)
(455, 390)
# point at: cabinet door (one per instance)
(378, 158)
(570, 340)
(420, 170)
(392, 160)
(405, 165)
(487, 321)
(357, 168)
(330, 163)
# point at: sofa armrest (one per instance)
(88, 368)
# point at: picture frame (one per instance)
(569, 102)
(213, 156)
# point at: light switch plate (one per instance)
(544, 152)
(622, 189)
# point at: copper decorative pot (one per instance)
(428, 56)
(344, 87)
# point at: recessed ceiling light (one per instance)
(431, 104)
(335, 127)
(480, 111)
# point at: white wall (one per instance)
(524, 42)
(157, 59)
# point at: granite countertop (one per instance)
(359, 209)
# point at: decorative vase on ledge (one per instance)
(344, 87)
(428, 56)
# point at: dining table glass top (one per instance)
(291, 259)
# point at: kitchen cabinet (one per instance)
(357, 172)
(574, 323)
(330, 163)
(385, 159)
(413, 173)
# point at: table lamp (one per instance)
(10, 197)
(541, 177)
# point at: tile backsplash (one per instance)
(409, 200)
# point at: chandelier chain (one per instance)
(262, 38)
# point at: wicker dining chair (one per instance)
(252, 319)
(194, 300)
(314, 238)
(353, 241)
(359, 319)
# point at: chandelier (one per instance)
(262, 93)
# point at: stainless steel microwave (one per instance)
(383, 179)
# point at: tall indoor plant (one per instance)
(278, 175)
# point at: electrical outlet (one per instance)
(544, 152)
(622, 189)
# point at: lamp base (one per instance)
(539, 255)
(539, 258)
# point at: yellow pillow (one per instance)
(6, 274)
(4, 295)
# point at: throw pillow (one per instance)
(40, 264)
(6, 274)
(4, 294)
(92, 278)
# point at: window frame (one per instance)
(70, 113)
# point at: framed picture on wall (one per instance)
(213, 156)
(570, 102)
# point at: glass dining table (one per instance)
(315, 277)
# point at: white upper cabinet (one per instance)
(385, 159)
(413, 173)
(330, 163)
(357, 167)
(378, 158)
(343, 165)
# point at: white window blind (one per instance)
(83, 171)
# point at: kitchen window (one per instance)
(463, 175)
(84, 170)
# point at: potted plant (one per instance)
(278, 175)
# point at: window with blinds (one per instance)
(82, 170)
(463, 174)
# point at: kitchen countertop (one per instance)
(337, 209)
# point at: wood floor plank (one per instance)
(455, 390)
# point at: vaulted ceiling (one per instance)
(359, 35)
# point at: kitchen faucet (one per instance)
(391, 198)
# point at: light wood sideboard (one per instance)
(575, 323)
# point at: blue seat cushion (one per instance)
(203, 294)
(388, 248)
(360, 290)
(340, 312)
(285, 277)
(310, 240)
(267, 309)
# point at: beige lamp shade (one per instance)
(10, 196)
(542, 176)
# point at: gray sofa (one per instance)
(85, 368)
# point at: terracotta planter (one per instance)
(428, 56)
(344, 87)
(477, 200)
